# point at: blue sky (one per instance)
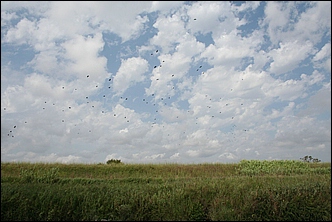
(165, 82)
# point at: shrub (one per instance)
(310, 159)
(113, 161)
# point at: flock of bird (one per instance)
(153, 102)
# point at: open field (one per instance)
(249, 190)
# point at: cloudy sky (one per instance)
(165, 82)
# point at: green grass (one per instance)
(249, 190)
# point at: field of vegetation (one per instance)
(250, 190)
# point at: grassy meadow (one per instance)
(250, 190)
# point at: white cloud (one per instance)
(229, 81)
(286, 90)
(83, 56)
(318, 103)
(111, 16)
(286, 22)
(323, 57)
(214, 17)
(6, 17)
(131, 71)
(293, 132)
(228, 155)
(170, 32)
(288, 56)
(165, 6)
(277, 16)
(21, 33)
(323, 53)
(314, 23)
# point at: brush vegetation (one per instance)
(250, 190)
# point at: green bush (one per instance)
(111, 161)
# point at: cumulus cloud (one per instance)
(288, 56)
(153, 82)
(131, 71)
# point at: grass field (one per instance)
(248, 190)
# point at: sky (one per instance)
(165, 81)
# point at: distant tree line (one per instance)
(310, 159)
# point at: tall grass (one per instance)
(39, 191)
(104, 171)
(280, 167)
